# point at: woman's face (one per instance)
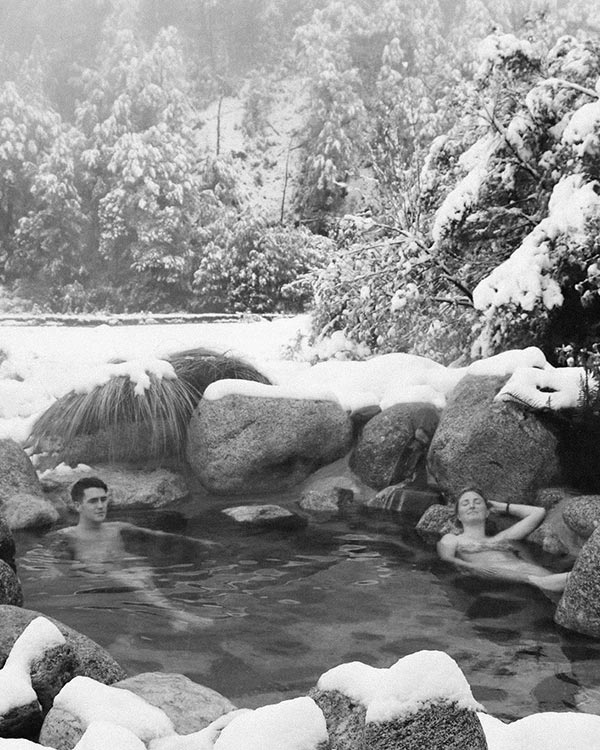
(471, 506)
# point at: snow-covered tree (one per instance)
(28, 128)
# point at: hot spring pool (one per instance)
(284, 606)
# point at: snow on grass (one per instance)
(90, 701)
(412, 683)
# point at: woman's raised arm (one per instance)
(530, 517)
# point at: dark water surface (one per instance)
(281, 607)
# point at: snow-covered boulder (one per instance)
(91, 659)
(190, 706)
(506, 450)
(579, 606)
(296, 724)
(245, 444)
(22, 503)
(423, 701)
(83, 701)
(20, 705)
(392, 443)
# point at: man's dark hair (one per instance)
(82, 485)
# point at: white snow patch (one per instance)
(583, 129)
(465, 193)
(556, 388)
(546, 731)
(90, 701)
(39, 636)
(498, 47)
(203, 740)
(296, 724)
(101, 735)
(524, 278)
(410, 684)
(222, 388)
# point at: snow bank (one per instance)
(225, 387)
(92, 701)
(410, 684)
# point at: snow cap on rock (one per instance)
(90, 701)
(296, 724)
(412, 683)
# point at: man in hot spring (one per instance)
(97, 547)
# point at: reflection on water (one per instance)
(282, 607)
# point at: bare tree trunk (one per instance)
(219, 124)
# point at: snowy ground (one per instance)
(39, 364)
(42, 363)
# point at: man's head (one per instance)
(90, 498)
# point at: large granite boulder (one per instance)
(10, 587)
(391, 444)
(190, 706)
(507, 451)
(22, 503)
(582, 514)
(579, 606)
(91, 659)
(440, 725)
(7, 544)
(248, 444)
(554, 535)
(128, 487)
(400, 707)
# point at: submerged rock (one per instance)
(246, 444)
(507, 451)
(265, 515)
(329, 501)
(392, 443)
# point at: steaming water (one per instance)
(281, 607)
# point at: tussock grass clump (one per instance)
(120, 417)
(112, 422)
(198, 368)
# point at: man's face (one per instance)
(93, 505)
